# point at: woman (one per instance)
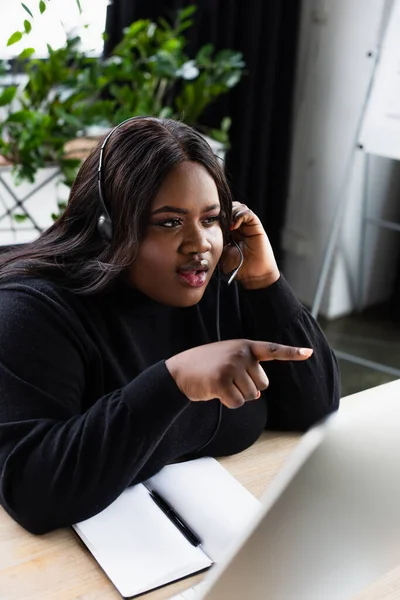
(110, 359)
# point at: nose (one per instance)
(195, 241)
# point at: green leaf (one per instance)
(165, 112)
(24, 6)
(219, 136)
(226, 124)
(79, 6)
(20, 217)
(231, 58)
(152, 28)
(204, 54)
(8, 95)
(27, 26)
(27, 53)
(184, 25)
(186, 12)
(14, 38)
(233, 79)
(20, 116)
(171, 45)
(42, 6)
(136, 27)
(49, 49)
(69, 169)
(164, 24)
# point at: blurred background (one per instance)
(283, 91)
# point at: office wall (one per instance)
(339, 40)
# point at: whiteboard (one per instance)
(380, 132)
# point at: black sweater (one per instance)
(88, 407)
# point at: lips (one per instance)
(194, 273)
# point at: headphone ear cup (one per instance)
(104, 227)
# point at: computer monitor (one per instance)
(330, 522)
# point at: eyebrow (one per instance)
(182, 211)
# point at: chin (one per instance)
(184, 300)
(189, 303)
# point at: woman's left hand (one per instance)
(259, 269)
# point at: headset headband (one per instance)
(100, 167)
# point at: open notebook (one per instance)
(140, 548)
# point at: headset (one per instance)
(104, 223)
(231, 276)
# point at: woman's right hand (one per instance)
(228, 370)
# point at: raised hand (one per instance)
(259, 268)
(228, 370)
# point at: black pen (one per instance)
(175, 518)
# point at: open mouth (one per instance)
(193, 278)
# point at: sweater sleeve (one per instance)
(300, 393)
(60, 463)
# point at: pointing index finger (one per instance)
(263, 351)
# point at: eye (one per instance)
(211, 220)
(170, 223)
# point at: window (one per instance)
(60, 16)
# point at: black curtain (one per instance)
(260, 106)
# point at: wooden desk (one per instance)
(57, 566)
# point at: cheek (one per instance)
(150, 253)
(217, 241)
(153, 257)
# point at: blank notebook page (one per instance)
(137, 546)
(217, 507)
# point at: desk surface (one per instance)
(57, 566)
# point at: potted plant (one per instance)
(49, 119)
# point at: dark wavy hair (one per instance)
(137, 158)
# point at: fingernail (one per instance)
(305, 351)
(258, 395)
(232, 226)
